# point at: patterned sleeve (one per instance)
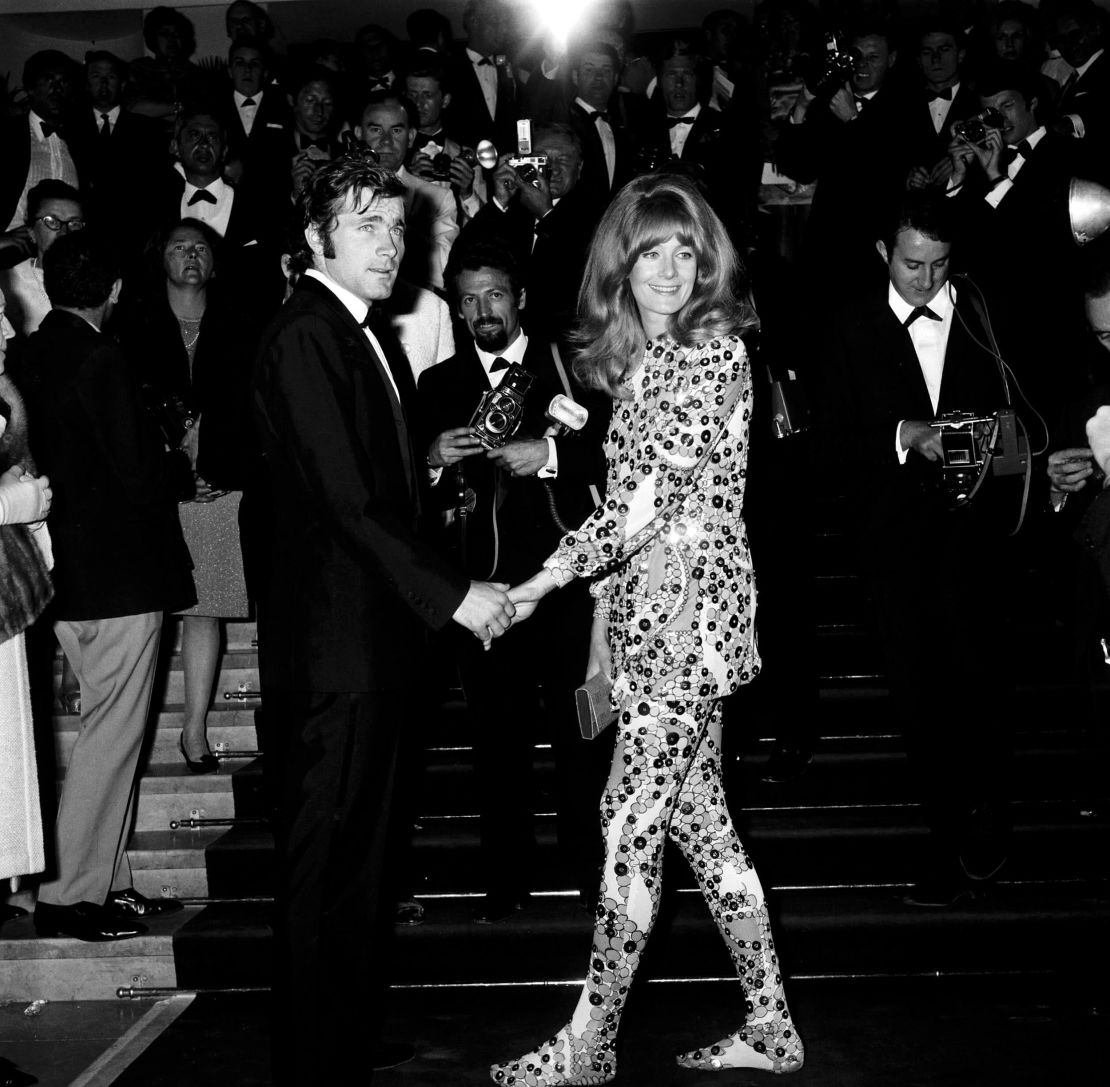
(669, 436)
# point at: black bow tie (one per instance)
(323, 143)
(673, 121)
(378, 83)
(484, 60)
(499, 363)
(423, 139)
(1010, 153)
(49, 130)
(598, 115)
(201, 195)
(248, 102)
(920, 311)
(946, 94)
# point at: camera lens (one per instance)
(496, 422)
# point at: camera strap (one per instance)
(562, 372)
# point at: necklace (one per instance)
(190, 332)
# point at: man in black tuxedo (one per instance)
(35, 146)
(259, 123)
(1083, 109)
(510, 530)
(342, 630)
(547, 224)
(608, 147)
(1010, 190)
(483, 86)
(120, 562)
(120, 156)
(937, 575)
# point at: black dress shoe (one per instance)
(408, 912)
(498, 906)
(206, 764)
(10, 913)
(84, 921)
(787, 762)
(131, 905)
(11, 1076)
(385, 1055)
(937, 894)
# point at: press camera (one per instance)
(833, 68)
(529, 167)
(500, 410)
(975, 129)
(975, 445)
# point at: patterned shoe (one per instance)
(563, 1060)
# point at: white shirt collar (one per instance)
(692, 112)
(218, 188)
(113, 115)
(513, 353)
(941, 303)
(241, 98)
(354, 305)
(36, 122)
(1082, 69)
(476, 57)
(1035, 137)
(587, 107)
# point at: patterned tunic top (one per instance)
(676, 579)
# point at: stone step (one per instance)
(66, 969)
(171, 863)
(231, 730)
(238, 671)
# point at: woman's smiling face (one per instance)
(662, 281)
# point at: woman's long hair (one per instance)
(646, 212)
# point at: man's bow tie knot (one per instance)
(485, 60)
(946, 94)
(499, 363)
(920, 311)
(673, 122)
(48, 130)
(1010, 153)
(599, 115)
(201, 195)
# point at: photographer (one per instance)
(892, 363)
(510, 493)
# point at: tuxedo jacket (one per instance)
(265, 152)
(516, 508)
(118, 547)
(1089, 98)
(468, 119)
(924, 146)
(595, 172)
(871, 380)
(246, 225)
(554, 265)
(353, 588)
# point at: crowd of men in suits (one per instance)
(870, 315)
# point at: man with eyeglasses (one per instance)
(34, 145)
(53, 209)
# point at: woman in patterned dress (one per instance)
(660, 329)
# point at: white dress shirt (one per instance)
(216, 215)
(515, 353)
(681, 133)
(487, 79)
(112, 115)
(358, 310)
(50, 158)
(939, 107)
(930, 341)
(608, 142)
(1077, 125)
(247, 114)
(996, 195)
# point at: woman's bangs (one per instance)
(658, 219)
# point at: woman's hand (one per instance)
(23, 498)
(528, 594)
(601, 656)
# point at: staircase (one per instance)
(836, 848)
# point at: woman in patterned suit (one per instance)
(660, 329)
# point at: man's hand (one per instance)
(940, 173)
(918, 178)
(601, 656)
(842, 105)
(486, 611)
(421, 166)
(1098, 434)
(961, 154)
(304, 166)
(506, 181)
(522, 458)
(535, 196)
(1069, 469)
(20, 238)
(452, 445)
(462, 177)
(528, 594)
(922, 438)
(989, 153)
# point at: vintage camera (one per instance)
(971, 443)
(530, 168)
(835, 67)
(975, 129)
(441, 167)
(500, 410)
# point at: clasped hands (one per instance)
(490, 607)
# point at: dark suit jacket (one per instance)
(468, 119)
(1089, 98)
(553, 268)
(353, 587)
(595, 172)
(218, 390)
(449, 393)
(118, 547)
(265, 153)
(924, 145)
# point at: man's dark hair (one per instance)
(939, 23)
(475, 257)
(391, 97)
(871, 27)
(430, 69)
(592, 45)
(315, 73)
(102, 56)
(426, 25)
(1014, 10)
(46, 60)
(679, 45)
(1007, 75)
(258, 12)
(557, 128)
(925, 211)
(166, 16)
(201, 108)
(252, 43)
(50, 189)
(80, 269)
(328, 191)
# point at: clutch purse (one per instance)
(595, 714)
